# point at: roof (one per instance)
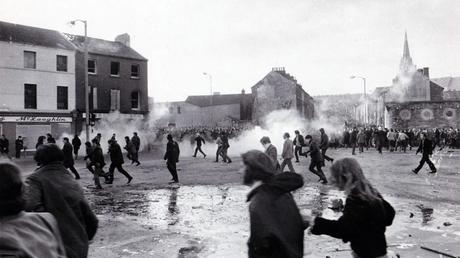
(104, 47)
(448, 83)
(227, 99)
(17, 33)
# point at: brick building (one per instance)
(117, 77)
(37, 83)
(415, 100)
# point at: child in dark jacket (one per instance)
(366, 214)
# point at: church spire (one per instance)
(406, 65)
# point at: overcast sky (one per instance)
(321, 43)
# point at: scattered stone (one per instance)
(446, 224)
(411, 215)
(410, 235)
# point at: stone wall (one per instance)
(424, 114)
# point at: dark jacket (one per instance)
(19, 144)
(363, 224)
(315, 152)
(324, 144)
(277, 228)
(95, 155)
(354, 137)
(172, 152)
(52, 189)
(76, 142)
(4, 145)
(50, 140)
(273, 154)
(300, 139)
(130, 148)
(136, 141)
(425, 147)
(116, 156)
(199, 141)
(68, 155)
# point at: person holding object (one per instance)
(276, 226)
(287, 153)
(365, 216)
(426, 148)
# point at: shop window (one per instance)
(62, 97)
(134, 71)
(92, 66)
(61, 63)
(30, 96)
(30, 59)
(115, 68)
(114, 100)
(135, 100)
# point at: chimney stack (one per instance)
(124, 39)
(243, 91)
(426, 72)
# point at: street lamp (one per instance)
(210, 82)
(366, 118)
(86, 77)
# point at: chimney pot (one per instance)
(426, 72)
(124, 39)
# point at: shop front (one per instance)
(32, 125)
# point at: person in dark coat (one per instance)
(4, 146)
(316, 159)
(24, 234)
(40, 141)
(95, 161)
(276, 226)
(199, 141)
(271, 151)
(137, 143)
(225, 146)
(116, 158)
(346, 138)
(76, 143)
(132, 152)
(172, 157)
(426, 148)
(298, 142)
(353, 140)
(365, 216)
(52, 189)
(19, 145)
(68, 157)
(380, 136)
(49, 138)
(323, 145)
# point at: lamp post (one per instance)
(210, 82)
(366, 118)
(86, 77)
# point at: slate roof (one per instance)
(105, 47)
(448, 83)
(226, 99)
(17, 33)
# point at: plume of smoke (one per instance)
(399, 91)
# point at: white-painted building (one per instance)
(37, 83)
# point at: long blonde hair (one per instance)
(348, 176)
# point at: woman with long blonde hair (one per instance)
(365, 216)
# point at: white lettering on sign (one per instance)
(35, 119)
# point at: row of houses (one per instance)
(42, 78)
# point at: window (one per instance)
(30, 60)
(135, 100)
(178, 110)
(61, 63)
(134, 71)
(62, 97)
(114, 100)
(92, 66)
(115, 68)
(94, 98)
(30, 96)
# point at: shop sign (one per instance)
(35, 119)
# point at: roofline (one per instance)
(99, 54)
(35, 45)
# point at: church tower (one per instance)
(406, 66)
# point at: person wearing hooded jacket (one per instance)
(365, 216)
(276, 226)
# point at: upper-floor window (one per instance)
(61, 63)
(30, 59)
(30, 96)
(178, 110)
(135, 100)
(92, 66)
(62, 97)
(115, 68)
(134, 71)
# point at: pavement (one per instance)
(206, 214)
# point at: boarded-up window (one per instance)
(114, 100)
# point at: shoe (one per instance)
(228, 162)
(129, 180)
(332, 160)
(415, 172)
(204, 156)
(324, 182)
(194, 156)
(172, 182)
(138, 163)
(296, 161)
(98, 187)
(433, 172)
(77, 178)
